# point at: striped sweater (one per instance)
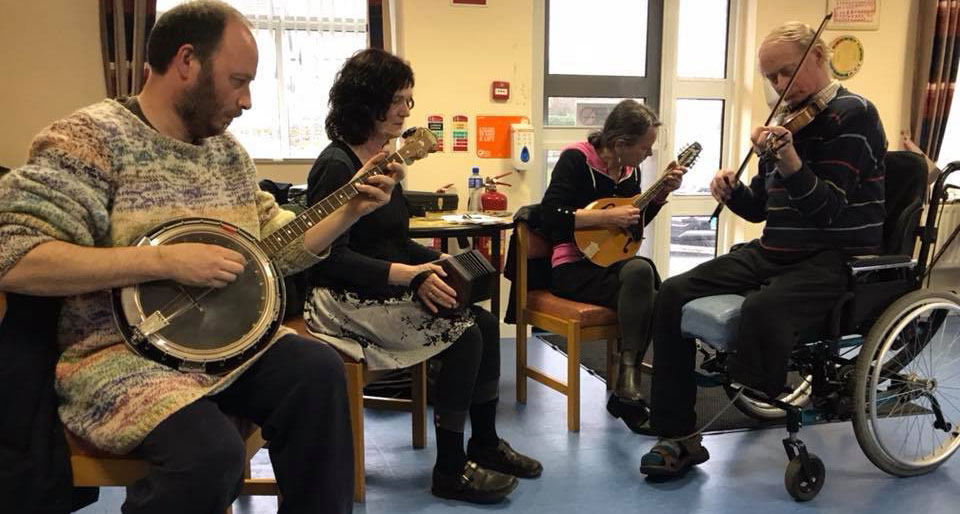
(836, 200)
(101, 177)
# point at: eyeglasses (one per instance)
(402, 100)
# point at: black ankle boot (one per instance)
(628, 378)
(473, 484)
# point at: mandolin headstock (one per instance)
(689, 154)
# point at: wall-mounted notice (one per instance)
(854, 14)
(493, 135)
(459, 133)
(435, 125)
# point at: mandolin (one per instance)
(605, 246)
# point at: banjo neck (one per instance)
(279, 239)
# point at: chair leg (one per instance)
(521, 377)
(355, 399)
(573, 377)
(418, 393)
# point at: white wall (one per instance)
(456, 52)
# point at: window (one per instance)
(704, 55)
(302, 44)
(700, 110)
(950, 148)
(699, 120)
(591, 41)
(692, 241)
(599, 55)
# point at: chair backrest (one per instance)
(537, 246)
(906, 185)
(528, 259)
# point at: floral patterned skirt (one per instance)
(388, 333)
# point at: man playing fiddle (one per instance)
(820, 191)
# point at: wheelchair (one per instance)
(888, 358)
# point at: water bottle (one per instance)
(474, 190)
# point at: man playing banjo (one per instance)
(98, 180)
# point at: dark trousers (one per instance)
(628, 287)
(787, 299)
(296, 392)
(469, 371)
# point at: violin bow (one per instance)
(793, 77)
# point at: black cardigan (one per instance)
(359, 260)
(573, 185)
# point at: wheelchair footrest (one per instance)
(711, 379)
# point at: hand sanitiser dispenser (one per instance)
(521, 145)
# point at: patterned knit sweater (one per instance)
(101, 177)
(836, 200)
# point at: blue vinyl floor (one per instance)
(597, 470)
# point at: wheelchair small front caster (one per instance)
(804, 484)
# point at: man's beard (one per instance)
(198, 106)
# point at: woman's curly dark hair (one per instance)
(363, 92)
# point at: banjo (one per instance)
(215, 330)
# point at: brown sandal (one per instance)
(671, 458)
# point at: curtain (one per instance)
(124, 26)
(938, 56)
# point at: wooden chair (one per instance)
(579, 322)
(96, 468)
(358, 376)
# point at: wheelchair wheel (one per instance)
(907, 385)
(804, 485)
(799, 386)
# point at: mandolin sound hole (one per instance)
(214, 318)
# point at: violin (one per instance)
(793, 122)
(797, 120)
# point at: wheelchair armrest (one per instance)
(863, 263)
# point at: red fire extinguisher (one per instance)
(492, 201)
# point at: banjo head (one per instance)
(199, 329)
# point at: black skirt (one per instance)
(584, 281)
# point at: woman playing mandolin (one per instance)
(606, 165)
(381, 289)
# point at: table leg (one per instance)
(495, 257)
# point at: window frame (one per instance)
(608, 86)
(697, 89)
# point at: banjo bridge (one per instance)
(153, 323)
